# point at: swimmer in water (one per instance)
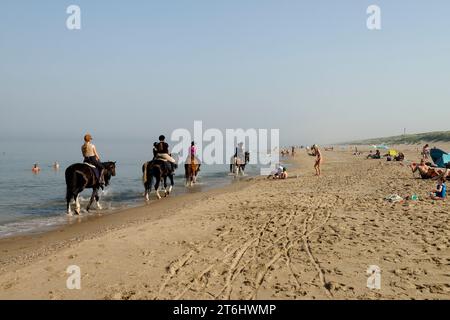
(35, 169)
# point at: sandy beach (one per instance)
(305, 237)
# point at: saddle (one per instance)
(94, 169)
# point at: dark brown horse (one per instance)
(80, 176)
(191, 170)
(158, 170)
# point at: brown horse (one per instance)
(191, 169)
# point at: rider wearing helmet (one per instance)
(91, 156)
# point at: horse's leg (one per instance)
(146, 186)
(97, 200)
(158, 181)
(77, 205)
(186, 175)
(171, 183)
(69, 197)
(165, 186)
(91, 200)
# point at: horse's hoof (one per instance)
(69, 214)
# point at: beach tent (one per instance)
(440, 158)
(392, 153)
(380, 147)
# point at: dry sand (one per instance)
(302, 238)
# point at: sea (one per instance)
(33, 203)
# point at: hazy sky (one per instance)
(140, 68)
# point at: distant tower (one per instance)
(404, 131)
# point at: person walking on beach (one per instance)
(318, 161)
(91, 156)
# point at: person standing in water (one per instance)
(35, 169)
(91, 156)
(318, 161)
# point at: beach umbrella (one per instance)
(393, 153)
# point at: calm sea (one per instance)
(33, 203)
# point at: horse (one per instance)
(237, 166)
(191, 170)
(159, 170)
(80, 176)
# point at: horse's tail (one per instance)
(71, 178)
(144, 171)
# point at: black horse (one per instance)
(159, 170)
(80, 176)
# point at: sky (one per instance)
(137, 69)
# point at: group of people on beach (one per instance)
(426, 171)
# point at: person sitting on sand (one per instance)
(35, 169)
(425, 171)
(276, 173)
(441, 190)
(318, 161)
(377, 155)
(399, 157)
(426, 151)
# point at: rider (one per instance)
(91, 156)
(192, 157)
(161, 150)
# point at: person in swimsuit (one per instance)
(318, 161)
(425, 171)
(441, 190)
(91, 156)
(35, 169)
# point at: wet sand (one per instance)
(302, 238)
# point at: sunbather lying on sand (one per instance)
(425, 171)
(377, 155)
(441, 190)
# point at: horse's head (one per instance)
(110, 171)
